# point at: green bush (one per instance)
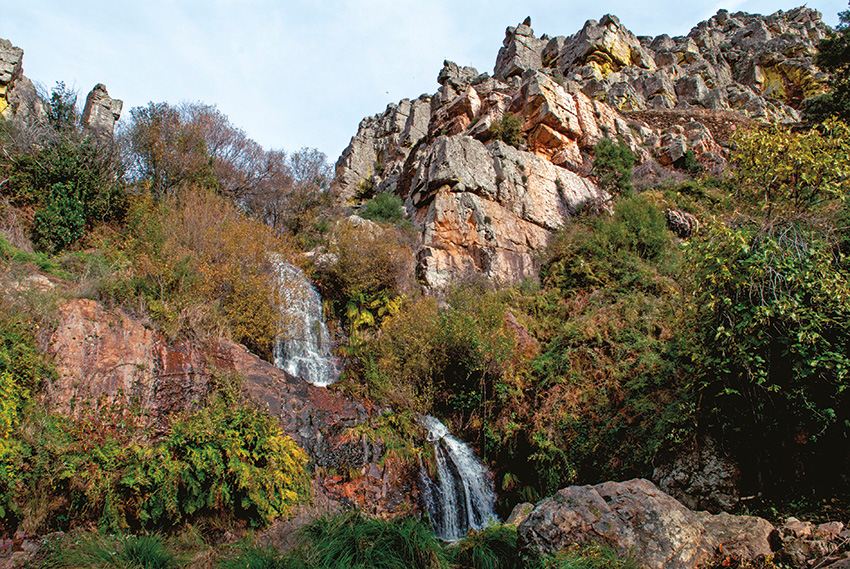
(384, 207)
(70, 179)
(508, 129)
(612, 166)
(226, 460)
(61, 220)
(770, 313)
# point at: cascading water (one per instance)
(304, 349)
(461, 497)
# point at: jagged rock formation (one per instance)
(101, 112)
(108, 357)
(18, 96)
(20, 99)
(482, 206)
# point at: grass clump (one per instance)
(352, 541)
(494, 547)
(96, 551)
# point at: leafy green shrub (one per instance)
(226, 460)
(783, 172)
(508, 129)
(612, 166)
(384, 207)
(771, 311)
(60, 222)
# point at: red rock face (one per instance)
(108, 357)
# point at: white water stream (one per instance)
(461, 496)
(304, 348)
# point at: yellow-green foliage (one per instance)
(787, 172)
(372, 266)
(202, 265)
(22, 368)
(226, 460)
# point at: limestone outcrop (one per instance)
(101, 111)
(675, 101)
(18, 95)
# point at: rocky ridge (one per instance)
(20, 99)
(481, 206)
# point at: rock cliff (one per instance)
(484, 207)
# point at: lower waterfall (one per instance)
(461, 496)
(304, 348)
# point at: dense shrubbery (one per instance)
(202, 267)
(612, 166)
(68, 176)
(225, 460)
(365, 271)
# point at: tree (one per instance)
(786, 172)
(166, 151)
(833, 57)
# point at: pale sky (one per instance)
(304, 73)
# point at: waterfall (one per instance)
(304, 348)
(461, 497)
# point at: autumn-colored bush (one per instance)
(365, 270)
(202, 266)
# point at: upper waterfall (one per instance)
(304, 347)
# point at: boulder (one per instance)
(636, 517)
(708, 469)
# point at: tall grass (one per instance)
(97, 551)
(351, 541)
